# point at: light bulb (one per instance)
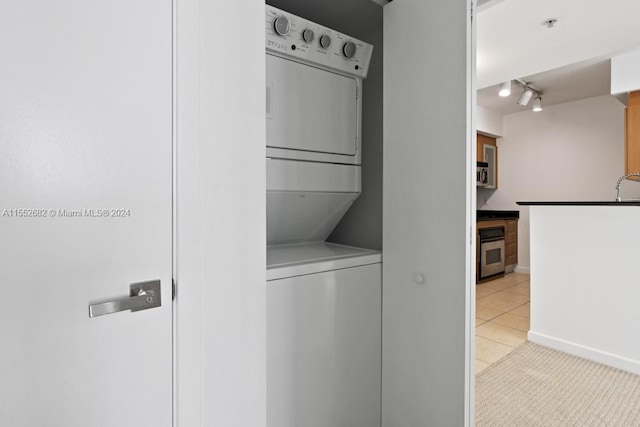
(537, 104)
(505, 89)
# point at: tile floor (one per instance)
(502, 317)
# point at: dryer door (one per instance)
(312, 111)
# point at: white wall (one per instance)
(572, 151)
(489, 122)
(584, 285)
(625, 73)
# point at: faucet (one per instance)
(619, 183)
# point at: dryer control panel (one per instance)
(290, 36)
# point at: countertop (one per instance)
(488, 215)
(609, 203)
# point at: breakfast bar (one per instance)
(585, 279)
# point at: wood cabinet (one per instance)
(487, 151)
(632, 133)
(481, 140)
(510, 243)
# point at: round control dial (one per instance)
(349, 49)
(325, 41)
(282, 25)
(308, 35)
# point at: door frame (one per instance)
(202, 279)
(470, 321)
(219, 211)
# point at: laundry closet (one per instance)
(323, 297)
(350, 340)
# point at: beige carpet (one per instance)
(537, 386)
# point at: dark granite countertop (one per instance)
(609, 203)
(487, 215)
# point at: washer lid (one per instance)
(315, 257)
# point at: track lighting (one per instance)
(537, 104)
(505, 89)
(526, 96)
(528, 92)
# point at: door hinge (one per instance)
(472, 3)
(173, 289)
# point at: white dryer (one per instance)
(323, 299)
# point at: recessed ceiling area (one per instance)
(568, 62)
(566, 84)
(513, 41)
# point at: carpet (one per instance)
(538, 386)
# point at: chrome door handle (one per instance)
(143, 295)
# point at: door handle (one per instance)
(142, 296)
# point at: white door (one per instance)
(428, 209)
(85, 210)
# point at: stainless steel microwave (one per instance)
(482, 174)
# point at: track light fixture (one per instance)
(537, 104)
(527, 94)
(525, 97)
(505, 89)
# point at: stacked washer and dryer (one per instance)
(323, 299)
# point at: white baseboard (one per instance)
(524, 270)
(589, 353)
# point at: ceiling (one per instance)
(513, 42)
(565, 84)
(567, 62)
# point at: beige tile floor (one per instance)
(502, 317)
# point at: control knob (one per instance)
(325, 41)
(349, 49)
(281, 25)
(308, 35)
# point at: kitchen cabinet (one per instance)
(510, 244)
(632, 133)
(487, 151)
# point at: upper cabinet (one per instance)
(632, 133)
(487, 151)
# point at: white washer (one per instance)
(324, 309)
(324, 320)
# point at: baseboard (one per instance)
(589, 353)
(524, 270)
